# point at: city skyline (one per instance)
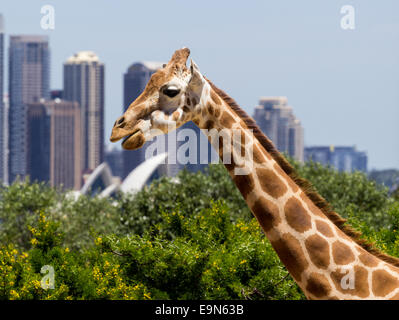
(54, 143)
(354, 128)
(277, 121)
(29, 81)
(84, 83)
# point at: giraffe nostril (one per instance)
(121, 120)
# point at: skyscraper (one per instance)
(29, 77)
(134, 82)
(84, 83)
(2, 120)
(276, 119)
(54, 143)
(114, 158)
(343, 158)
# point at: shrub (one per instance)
(188, 239)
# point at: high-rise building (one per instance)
(134, 82)
(4, 133)
(276, 119)
(114, 159)
(346, 159)
(2, 120)
(54, 143)
(84, 83)
(29, 78)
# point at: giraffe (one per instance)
(325, 257)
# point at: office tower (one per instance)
(84, 83)
(54, 143)
(342, 158)
(2, 120)
(4, 133)
(114, 158)
(29, 76)
(134, 82)
(277, 121)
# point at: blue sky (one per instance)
(342, 84)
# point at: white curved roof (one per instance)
(101, 172)
(137, 179)
(83, 56)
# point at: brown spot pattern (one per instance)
(245, 184)
(211, 109)
(266, 212)
(217, 112)
(318, 251)
(296, 215)
(291, 183)
(258, 155)
(368, 259)
(290, 252)
(226, 121)
(342, 253)
(324, 228)
(312, 207)
(271, 183)
(209, 124)
(383, 283)
(361, 287)
(318, 285)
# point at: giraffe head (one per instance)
(166, 103)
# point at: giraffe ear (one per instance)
(196, 77)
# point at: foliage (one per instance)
(87, 275)
(204, 256)
(190, 238)
(388, 177)
(192, 192)
(350, 193)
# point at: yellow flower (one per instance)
(243, 261)
(66, 249)
(14, 294)
(34, 241)
(36, 284)
(147, 296)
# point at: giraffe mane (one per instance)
(304, 184)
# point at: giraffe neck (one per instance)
(325, 262)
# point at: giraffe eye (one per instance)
(171, 91)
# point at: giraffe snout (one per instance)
(119, 131)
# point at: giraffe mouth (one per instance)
(134, 140)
